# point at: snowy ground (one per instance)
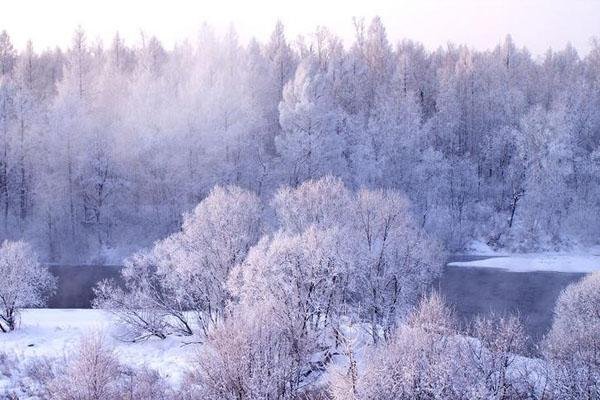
(537, 262)
(57, 332)
(578, 261)
(54, 333)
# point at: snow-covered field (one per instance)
(55, 333)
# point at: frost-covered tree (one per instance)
(281, 65)
(146, 307)
(311, 143)
(8, 54)
(324, 203)
(187, 271)
(495, 356)
(304, 274)
(395, 261)
(334, 247)
(102, 149)
(196, 262)
(25, 282)
(545, 151)
(573, 343)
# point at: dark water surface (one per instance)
(474, 291)
(76, 283)
(470, 291)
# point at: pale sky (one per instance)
(537, 24)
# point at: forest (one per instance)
(105, 147)
(281, 211)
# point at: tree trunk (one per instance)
(9, 320)
(513, 208)
(23, 183)
(4, 183)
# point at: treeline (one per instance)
(102, 147)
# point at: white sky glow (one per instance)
(537, 24)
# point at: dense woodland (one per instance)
(103, 147)
(282, 208)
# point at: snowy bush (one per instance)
(94, 372)
(91, 373)
(427, 357)
(25, 282)
(495, 356)
(252, 355)
(422, 359)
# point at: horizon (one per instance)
(535, 25)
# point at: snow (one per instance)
(56, 333)
(479, 248)
(532, 262)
